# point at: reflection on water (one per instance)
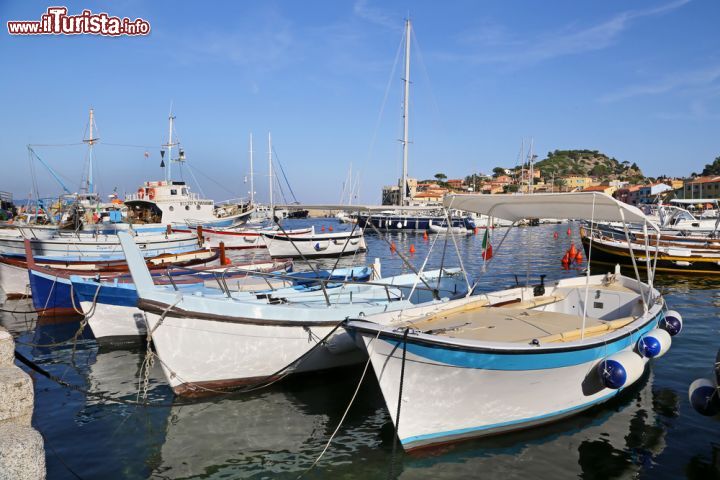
(649, 430)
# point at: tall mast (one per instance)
(91, 142)
(406, 108)
(531, 166)
(252, 179)
(170, 145)
(270, 169)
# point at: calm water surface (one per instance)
(648, 431)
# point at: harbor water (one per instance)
(647, 431)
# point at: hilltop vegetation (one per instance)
(587, 163)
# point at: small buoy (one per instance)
(425, 236)
(322, 229)
(566, 258)
(671, 322)
(393, 247)
(330, 228)
(654, 344)
(572, 251)
(569, 231)
(579, 257)
(475, 230)
(703, 394)
(555, 235)
(620, 369)
(412, 248)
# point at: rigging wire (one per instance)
(282, 170)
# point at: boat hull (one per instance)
(456, 393)
(201, 357)
(14, 280)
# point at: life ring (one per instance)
(151, 193)
(141, 193)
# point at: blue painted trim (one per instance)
(461, 431)
(457, 356)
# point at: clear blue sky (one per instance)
(639, 81)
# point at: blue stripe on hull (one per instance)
(498, 360)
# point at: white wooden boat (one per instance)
(313, 245)
(521, 357)
(241, 238)
(211, 343)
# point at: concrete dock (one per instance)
(22, 450)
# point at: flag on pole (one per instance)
(487, 252)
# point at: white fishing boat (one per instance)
(313, 245)
(81, 246)
(241, 238)
(441, 227)
(521, 357)
(212, 343)
(171, 202)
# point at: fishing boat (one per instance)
(86, 247)
(314, 245)
(241, 238)
(659, 252)
(52, 290)
(110, 302)
(170, 201)
(521, 357)
(209, 344)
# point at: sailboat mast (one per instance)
(252, 178)
(532, 166)
(406, 111)
(91, 142)
(270, 176)
(170, 144)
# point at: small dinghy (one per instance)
(443, 228)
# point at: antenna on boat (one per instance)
(406, 111)
(252, 179)
(91, 140)
(169, 146)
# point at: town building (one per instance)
(601, 188)
(701, 187)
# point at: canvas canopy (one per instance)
(549, 205)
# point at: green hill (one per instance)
(587, 162)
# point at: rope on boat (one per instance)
(391, 473)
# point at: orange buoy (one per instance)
(425, 237)
(555, 235)
(569, 231)
(412, 248)
(323, 228)
(475, 230)
(393, 247)
(572, 251)
(330, 228)
(579, 257)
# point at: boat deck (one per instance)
(519, 322)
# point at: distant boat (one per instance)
(171, 202)
(398, 219)
(313, 245)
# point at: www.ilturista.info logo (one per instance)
(57, 22)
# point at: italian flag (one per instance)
(486, 247)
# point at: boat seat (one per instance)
(590, 331)
(535, 302)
